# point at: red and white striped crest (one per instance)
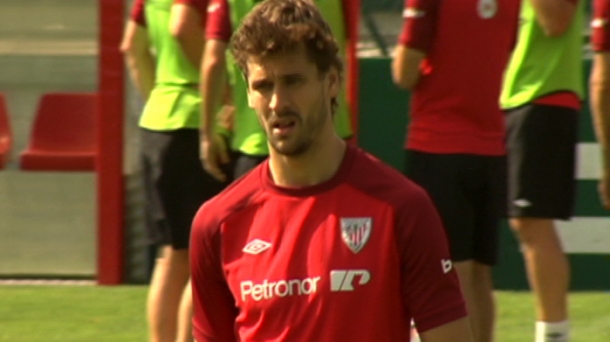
(355, 232)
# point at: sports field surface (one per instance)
(115, 314)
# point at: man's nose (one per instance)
(279, 99)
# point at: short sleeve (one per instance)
(419, 24)
(137, 12)
(431, 287)
(219, 21)
(214, 311)
(600, 26)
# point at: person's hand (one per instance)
(214, 152)
(604, 190)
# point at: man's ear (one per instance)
(334, 82)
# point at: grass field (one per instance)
(116, 314)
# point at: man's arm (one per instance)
(599, 91)
(187, 25)
(431, 289)
(140, 62)
(406, 66)
(213, 74)
(554, 16)
(213, 85)
(415, 40)
(214, 310)
(456, 331)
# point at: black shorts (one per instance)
(242, 163)
(469, 192)
(175, 185)
(541, 144)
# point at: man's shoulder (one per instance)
(378, 179)
(233, 198)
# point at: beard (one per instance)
(306, 131)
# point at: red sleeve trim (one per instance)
(600, 26)
(219, 21)
(420, 21)
(137, 12)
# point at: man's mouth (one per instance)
(283, 126)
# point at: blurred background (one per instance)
(48, 224)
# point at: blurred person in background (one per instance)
(163, 43)
(542, 94)
(451, 56)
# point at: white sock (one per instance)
(552, 332)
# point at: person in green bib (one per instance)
(248, 144)
(163, 43)
(542, 94)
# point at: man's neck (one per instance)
(317, 165)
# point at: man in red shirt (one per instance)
(451, 56)
(599, 90)
(321, 242)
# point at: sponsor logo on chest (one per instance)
(340, 281)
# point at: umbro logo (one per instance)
(256, 246)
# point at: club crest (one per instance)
(355, 232)
(487, 8)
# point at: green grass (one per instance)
(116, 314)
(72, 313)
(590, 317)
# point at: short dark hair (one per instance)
(279, 26)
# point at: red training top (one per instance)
(352, 259)
(455, 105)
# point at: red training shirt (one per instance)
(454, 106)
(352, 259)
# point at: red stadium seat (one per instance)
(6, 136)
(63, 136)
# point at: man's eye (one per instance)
(294, 80)
(263, 86)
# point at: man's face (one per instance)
(292, 100)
